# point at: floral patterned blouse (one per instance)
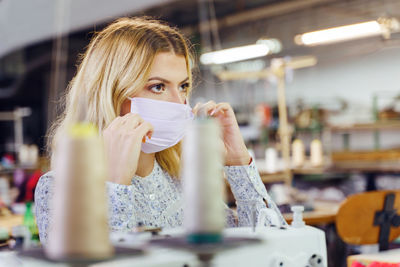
(156, 200)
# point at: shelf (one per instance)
(306, 169)
(324, 213)
(383, 125)
(275, 177)
(367, 166)
(337, 169)
(373, 156)
(12, 170)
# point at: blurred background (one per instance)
(320, 113)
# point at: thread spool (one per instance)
(297, 221)
(80, 228)
(203, 184)
(298, 153)
(5, 191)
(28, 155)
(271, 160)
(316, 153)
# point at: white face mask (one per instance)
(168, 119)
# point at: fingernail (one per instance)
(212, 112)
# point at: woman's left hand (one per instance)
(236, 151)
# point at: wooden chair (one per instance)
(370, 218)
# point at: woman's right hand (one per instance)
(123, 140)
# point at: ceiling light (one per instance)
(349, 32)
(273, 44)
(277, 63)
(235, 54)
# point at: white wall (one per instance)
(355, 80)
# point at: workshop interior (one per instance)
(307, 92)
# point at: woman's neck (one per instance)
(145, 164)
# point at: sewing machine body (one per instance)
(293, 247)
(276, 247)
(280, 247)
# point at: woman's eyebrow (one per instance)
(185, 80)
(166, 81)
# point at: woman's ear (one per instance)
(125, 107)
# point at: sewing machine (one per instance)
(297, 245)
(277, 246)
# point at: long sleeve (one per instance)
(43, 195)
(250, 193)
(152, 201)
(120, 206)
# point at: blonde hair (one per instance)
(117, 65)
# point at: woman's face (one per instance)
(168, 81)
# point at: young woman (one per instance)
(138, 62)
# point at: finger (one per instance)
(217, 111)
(144, 129)
(115, 124)
(124, 124)
(209, 106)
(221, 108)
(206, 108)
(131, 121)
(196, 108)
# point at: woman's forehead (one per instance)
(169, 66)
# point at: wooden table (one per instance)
(323, 213)
(10, 221)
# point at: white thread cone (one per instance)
(203, 183)
(79, 229)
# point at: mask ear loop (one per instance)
(131, 99)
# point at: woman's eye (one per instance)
(184, 87)
(157, 88)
